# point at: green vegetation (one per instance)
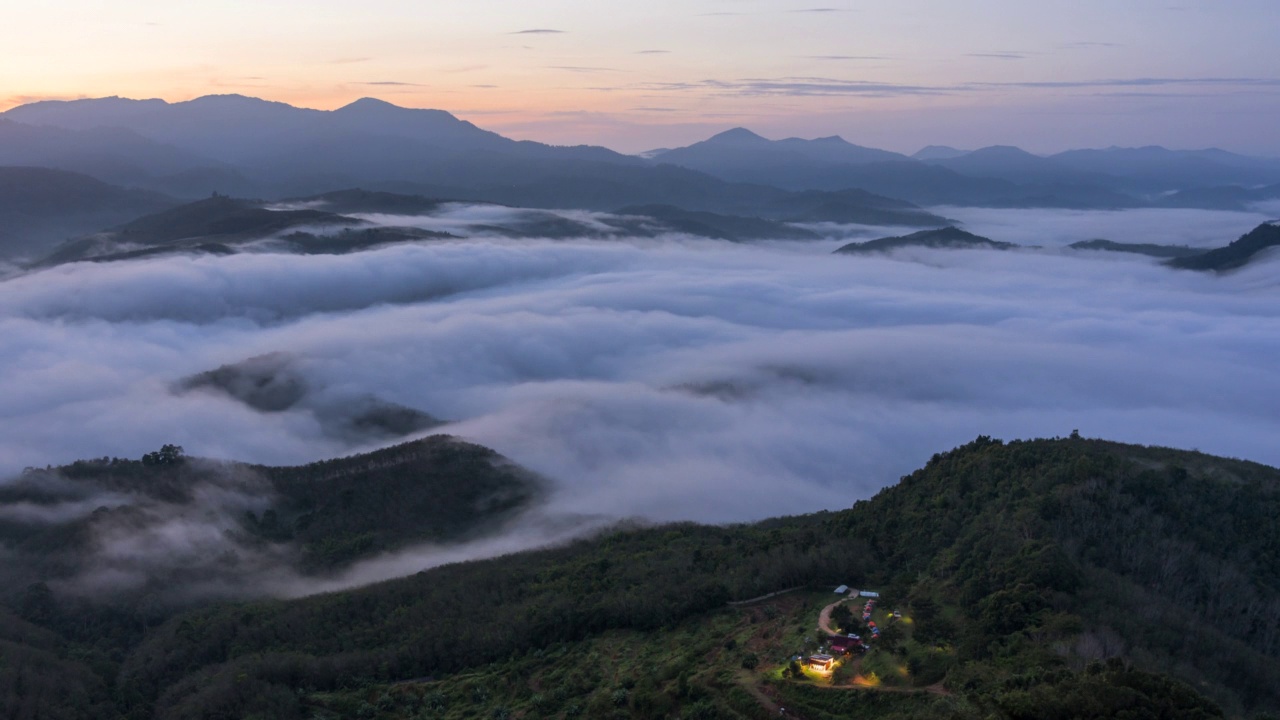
(435, 489)
(1065, 578)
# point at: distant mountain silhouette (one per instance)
(245, 146)
(1151, 249)
(114, 155)
(211, 225)
(938, 152)
(275, 151)
(332, 223)
(1157, 169)
(739, 145)
(949, 238)
(997, 176)
(1004, 162)
(720, 227)
(40, 208)
(1237, 254)
(1221, 197)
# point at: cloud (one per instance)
(668, 379)
(844, 57)
(391, 83)
(538, 31)
(582, 68)
(999, 55)
(827, 86)
(799, 87)
(1086, 45)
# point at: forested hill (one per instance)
(169, 527)
(1064, 578)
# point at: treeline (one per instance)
(463, 615)
(1097, 549)
(1037, 566)
(435, 489)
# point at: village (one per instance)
(841, 646)
(859, 642)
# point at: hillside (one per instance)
(951, 238)
(40, 207)
(1235, 255)
(1050, 578)
(175, 529)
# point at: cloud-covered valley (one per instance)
(670, 378)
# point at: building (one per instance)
(842, 589)
(822, 663)
(844, 645)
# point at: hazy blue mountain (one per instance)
(112, 154)
(1221, 197)
(211, 225)
(721, 153)
(1157, 169)
(276, 150)
(952, 238)
(719, 227)
(241, 130)
(1018, 166)
(938, 152)
(1151, 249)
(41, 207)
(996, 177)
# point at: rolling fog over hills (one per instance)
(528, 360)
(671, 378)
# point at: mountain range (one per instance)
(254, 148)
(999, 176)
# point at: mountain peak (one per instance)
(738, 134)
(938, 152)
(369, 103)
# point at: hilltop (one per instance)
(948, 238)
(1235, 255)
(1065, 577)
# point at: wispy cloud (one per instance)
(582, 68)
(349, 60)
(824, 86)
(999, 55)
(1137, 82)
(801, 87)
(652, 52)
(1084, 45)
(539, 31)
(819, 10)
(844, 57)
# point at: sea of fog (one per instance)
(672, 378)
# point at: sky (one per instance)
(1048, 75)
